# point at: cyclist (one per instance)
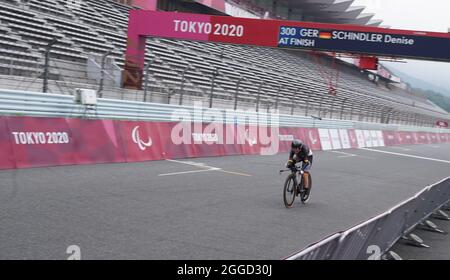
(300, 152)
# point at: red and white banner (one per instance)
(353, 139)
(325, 139)
(7, 159)
(35, 142)
(39, 142)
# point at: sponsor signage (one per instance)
(34, 142)
(367, 40)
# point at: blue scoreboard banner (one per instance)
(387, 44)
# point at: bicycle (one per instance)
(290, 192)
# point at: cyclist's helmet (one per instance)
(296, 144)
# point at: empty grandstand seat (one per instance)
(100, 26)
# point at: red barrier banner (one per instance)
(313, 139)
(353, 139)
(247, 139)
(38, 142)
(230, 148)
(96, 141)
(432, 137)
(286, 136)
(437, 137)
(208, 139)
(7, 159)
(390, 138)
(400, 138)
(310, 136)
(407, 138)
(416, 137)
(141, 140)
(423, 137)
(182, 147)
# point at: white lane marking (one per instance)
(436, 147)
(400, 148)
(188, 172)
(236, 173)
(344, 154)
(201, 165)
(192, 163)
(347, 155)
(406, 155)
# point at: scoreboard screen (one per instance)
(376, 43)
(366, 40)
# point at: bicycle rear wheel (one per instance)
(304, 196)
(290, 191)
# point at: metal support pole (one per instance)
(269, 105)
(292, 106)
(342, 108)
(258, 96)
(147, 69)
(236, 93)
(182, 85)
(374, 114)
(413, 119)
(307, 103)
(47, 63)
(100, 88)
(332, 106)
(320, 105)
(11, 67)
(215, 74)
(293, 101)
(169, 95)
(277, 97)
(390, 115)
(351, 111)
(383, 114)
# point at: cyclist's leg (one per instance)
(306, 169)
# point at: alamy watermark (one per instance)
(74, 252)
(212, 126)
(374, 252)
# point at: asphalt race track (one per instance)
(229, 208)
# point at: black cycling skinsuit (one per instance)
(305, 153)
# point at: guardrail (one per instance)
(54, 105)
(373, 238)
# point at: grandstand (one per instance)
(293, 82)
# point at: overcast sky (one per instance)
(431, 15)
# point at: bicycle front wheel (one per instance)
(290, 191)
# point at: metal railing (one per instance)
(375, 237)
(55, 105)
(178, 87)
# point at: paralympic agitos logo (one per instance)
(137, 139)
